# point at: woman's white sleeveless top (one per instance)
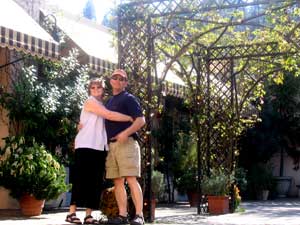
(92, 134)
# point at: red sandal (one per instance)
(72, 218)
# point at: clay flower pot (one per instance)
(218, 204)
(30, 206)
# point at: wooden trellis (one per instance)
(143, 26)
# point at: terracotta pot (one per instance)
(193, 197)
(146, 209)
(30, 206)
(218, 204)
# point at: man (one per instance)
(124, 159)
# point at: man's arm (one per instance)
(92, 106)
(137, 124)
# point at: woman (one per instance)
(90, 154)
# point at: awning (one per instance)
(172, 84)
(19, 31)
(96, 41)
(177, 90)
(92, 38)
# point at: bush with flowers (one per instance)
(237, 197)
(27, 168)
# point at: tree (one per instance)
(278, 115)
(276, 132)
(174, 140)
(110, 20)
(89, 10)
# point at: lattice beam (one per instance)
(245, 51)
(159, 8)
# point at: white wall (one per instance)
(288, 171)
(6, 201)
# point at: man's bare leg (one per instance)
(137, 194)
(121, 196)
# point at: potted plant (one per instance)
(187, 183)
(217, 187)
(261, 180)
(158, 185)
(157, 189)
(30, 173)
(240, 184)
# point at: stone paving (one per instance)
(275, 212)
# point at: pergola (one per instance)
(199, 39)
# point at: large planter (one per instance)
(263, 195)
(146, 209)
(283, 186)
(30, 206)
(193, 197)
(218, 204)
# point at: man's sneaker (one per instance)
(118, 220)
(137, 220)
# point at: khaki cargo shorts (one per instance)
(123, 159)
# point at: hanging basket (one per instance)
(30, 206)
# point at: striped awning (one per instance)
(15, 40)
(174, 89)
(95, 40)
(172, 84)
(19, 31)
(101, 66)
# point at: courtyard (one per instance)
(271, 212)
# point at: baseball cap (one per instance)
(120, 72)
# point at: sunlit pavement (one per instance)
(272, 212)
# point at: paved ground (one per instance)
(275, 212)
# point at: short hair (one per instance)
(95, 81)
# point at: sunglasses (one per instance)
(122, 79)
(98, 87)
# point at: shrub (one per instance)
(27, 168)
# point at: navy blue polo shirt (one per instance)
(123, 103)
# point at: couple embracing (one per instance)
(108, 141)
